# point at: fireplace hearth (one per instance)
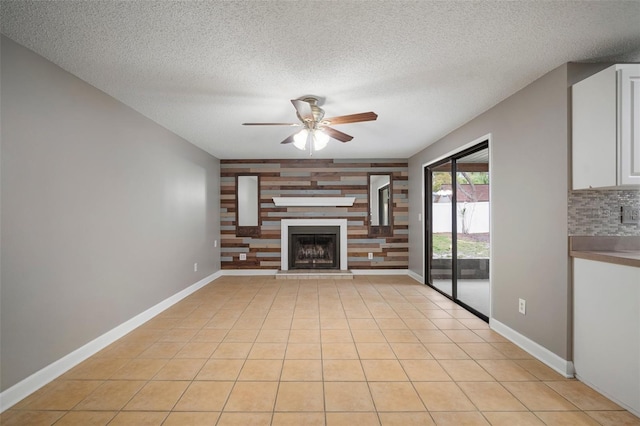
(314, 247)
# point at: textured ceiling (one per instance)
(201, 69)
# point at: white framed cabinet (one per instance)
(606, 329)
(606, 129)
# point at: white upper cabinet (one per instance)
(629, 156)
(606, 129)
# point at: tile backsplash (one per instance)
(598, 212)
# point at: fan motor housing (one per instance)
(318, 113)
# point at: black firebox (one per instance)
(314, 247)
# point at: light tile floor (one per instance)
(369, 351)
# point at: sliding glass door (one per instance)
(441, 253)
(457, 229)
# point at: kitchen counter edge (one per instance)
(623, 250)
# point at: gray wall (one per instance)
(104, 213)
(529, 170)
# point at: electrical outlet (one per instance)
(629, 215)
(370, 256)
(243, 256)
(522, 306)
(195, 267)
(215, 243)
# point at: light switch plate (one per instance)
(630, 215)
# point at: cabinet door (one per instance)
(594, 131)
(629, 122)
(606, 329)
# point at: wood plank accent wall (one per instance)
(305, 178)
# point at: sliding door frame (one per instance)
(428, 209)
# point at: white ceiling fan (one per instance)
(316, 129)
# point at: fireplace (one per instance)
(341, 224)
(314, 247)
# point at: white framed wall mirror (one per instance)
(380, 194)
(247, 205)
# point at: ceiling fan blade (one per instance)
(304, 109)
(270, 124)
(352, 118)
(336, 134)
(289, 139)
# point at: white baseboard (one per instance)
(543, 354)
(415, 276)
(24, 388)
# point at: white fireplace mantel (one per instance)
(284, 238)
(313, 201)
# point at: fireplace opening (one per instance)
(314, 247)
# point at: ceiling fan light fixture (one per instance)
(320, 140)
(316, 132)
(300, 139)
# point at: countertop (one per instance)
(618, 250)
